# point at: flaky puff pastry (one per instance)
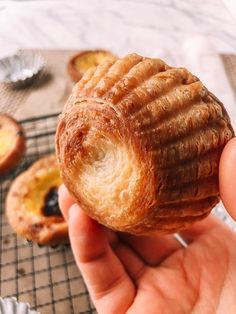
(138, 145)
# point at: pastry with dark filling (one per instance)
(12, 143)
(85, 60)
(32, 204)
(139, 143)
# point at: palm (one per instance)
(192, 280)
(128, 274)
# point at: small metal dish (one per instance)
(21, 69)
(11, 306)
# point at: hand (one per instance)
(155, 274)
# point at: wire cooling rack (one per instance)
(45, 277)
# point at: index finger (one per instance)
(101, 269)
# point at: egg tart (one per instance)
(85, 60)
(12, 143)
(32, 204)
(139, 143)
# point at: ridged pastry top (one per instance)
(139, 143)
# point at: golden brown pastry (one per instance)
(12, 143)
(85, 60)
(32, 204)
(139, 143)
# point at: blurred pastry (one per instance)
(32, 204)
(139, 144)
(85, 60)
(12, 143)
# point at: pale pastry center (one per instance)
(108, 178)
(7, 142)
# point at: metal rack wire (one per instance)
(45, 277)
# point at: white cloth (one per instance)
(200, 57)
(231, 6)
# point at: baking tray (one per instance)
(47, 278)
